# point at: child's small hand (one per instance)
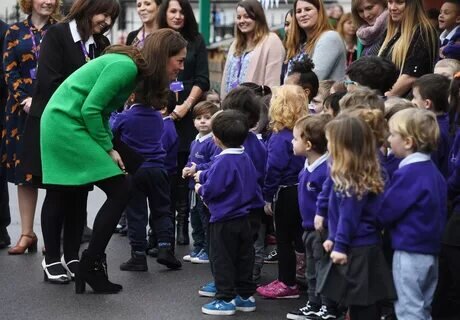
(319, 223)
(197, 177)
(192, 169)
(338, 258)
(268, 209)
(197, 187)
(185, 172)
(327, 245)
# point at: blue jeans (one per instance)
(151, 184)
(415, 277)
(199, 219)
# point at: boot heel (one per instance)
(80, 285)
(33, 248)
(45, 277)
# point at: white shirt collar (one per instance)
(232, 151)
(317, 163)
(444, 35)
(203, 138)
(76, 36)
(413, 158)
(167, 118)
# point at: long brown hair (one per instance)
(414, 17)
(297, 36)
(255, 12)
(355, 168)
(82, 11)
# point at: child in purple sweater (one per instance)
(288, 104)
(414, 210)
(356, 274)
(141, 128)
(310, 141)
(228, 189)
(202, 152)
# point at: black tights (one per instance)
(117, 189)
(68, 208)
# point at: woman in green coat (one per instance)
(76, 142)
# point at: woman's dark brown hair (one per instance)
(82, 11)
(190, 29)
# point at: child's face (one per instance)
(398, 144)
(214, 98)
(448, 17)
(298, 145)
(203, 123)
(317, 103)
(418, 100)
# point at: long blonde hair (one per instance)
(255, 12)
(355, 168)
(414, 17)
(288, 104)
(297, 36)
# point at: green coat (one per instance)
(75, 134)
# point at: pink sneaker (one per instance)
(261, 289)
(279, 291)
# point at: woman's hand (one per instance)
(117, 159)
(26, 103)
(338, 258)
(181, 110)
(328, 245)
(268, 209)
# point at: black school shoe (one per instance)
(272, 257)
(138, 262)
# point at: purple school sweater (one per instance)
(282, 166)
(311, 180)
(414, 208)
(141, 127)
(230, 186)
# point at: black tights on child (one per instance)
(364, 312)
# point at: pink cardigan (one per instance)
(266, 63)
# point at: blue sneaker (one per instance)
(201, 258)
(195, 252)
(208, 290)
(219, 307)
(245, 305)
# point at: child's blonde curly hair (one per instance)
(289, 103)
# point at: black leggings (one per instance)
(63, 207)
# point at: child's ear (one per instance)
(409, 143)
(308, 146)
(428, 104)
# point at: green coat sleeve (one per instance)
(114, 79)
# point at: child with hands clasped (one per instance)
(356, 275)
(229, 188)
(202, 152)
(288, 104)
(310, 141)
(414, 210)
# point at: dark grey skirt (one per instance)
(364, 280)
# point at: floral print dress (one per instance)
(20, 56)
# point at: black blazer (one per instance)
(60, 56)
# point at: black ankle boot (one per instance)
(167, 258)
(93, 271)
(138, 262)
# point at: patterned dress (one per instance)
(19, 63)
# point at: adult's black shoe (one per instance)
(5, 239)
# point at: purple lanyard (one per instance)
(85, 52)
(35, 48)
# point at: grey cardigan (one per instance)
(329, 57)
